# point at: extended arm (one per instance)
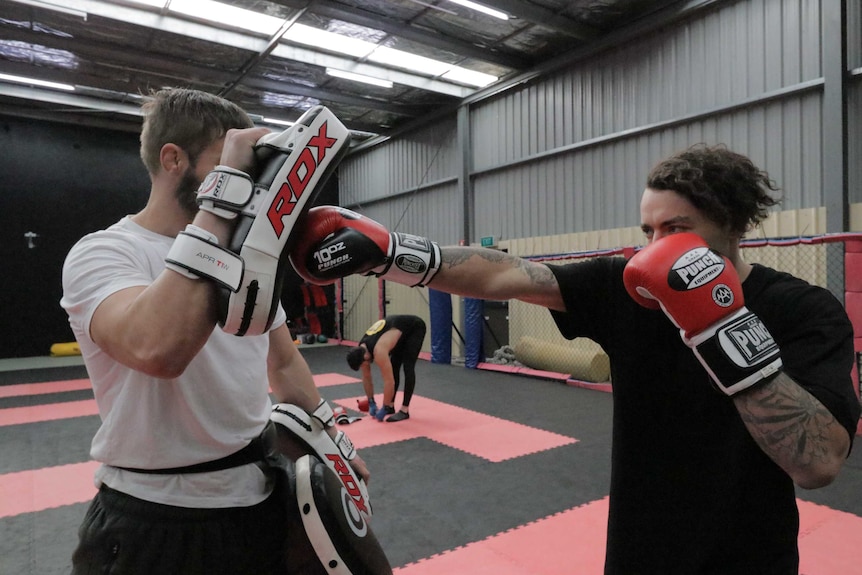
(367, 380)
(495, 275)
(337, 242)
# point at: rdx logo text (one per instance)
(348, 481)
(300, 175)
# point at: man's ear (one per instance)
(172, 158)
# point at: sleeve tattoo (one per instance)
(787, 422)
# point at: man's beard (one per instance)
(187, 193)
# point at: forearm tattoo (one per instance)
(538, 274)
(454, 257)
(788, 423)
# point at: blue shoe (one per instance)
(384, 411)
(372, 408)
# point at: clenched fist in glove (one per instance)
(699, 290)
(336, 242)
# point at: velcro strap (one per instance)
(412, 260)
(345, 446)
(195, 254)
(323, 413)
(225, 192)
(738, 353)
(335, 453)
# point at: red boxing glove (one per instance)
(335, 242)
(699, 290)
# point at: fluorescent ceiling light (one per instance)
(230, 15)
(480, 8)
(469, 77)
(35, 82)
(221, 13)
(323, 40)
(277, 122)
(399, 59)
(218, 12)
(359, 78)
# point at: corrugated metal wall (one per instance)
(410, 183)
(569, 153)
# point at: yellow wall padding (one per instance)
(585, 365)
(70, 348)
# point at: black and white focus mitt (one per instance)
(292, 168)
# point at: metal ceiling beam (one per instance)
(77, 106)
(242, 41)
(649, 24)
(397, 28)
(177, 70)
(535, 14)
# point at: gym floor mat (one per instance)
(493, 473)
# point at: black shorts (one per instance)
(121, 534)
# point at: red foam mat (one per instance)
(829, 541)
(48, 412)
(481, 435)
(574, 542)
(569, 542)
(39, 489)
(86, 407)
(22, 389)
(327, 379)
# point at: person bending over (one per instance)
(731, 380)
(391, 343)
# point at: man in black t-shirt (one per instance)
(731, 381)
(391, 343)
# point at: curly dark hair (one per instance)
(727, 187)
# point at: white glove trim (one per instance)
(412, 260)
(323, 414)
(195, 254)
(335, 453)
(225, 192)
(741, 354)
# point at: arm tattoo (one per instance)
(454, 257)
(539, 274)
(788, 423)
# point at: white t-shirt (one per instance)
(213, 409)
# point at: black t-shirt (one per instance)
(691, 492)
(404, 323)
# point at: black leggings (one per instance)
(405, 354)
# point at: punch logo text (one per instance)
(696, 268)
